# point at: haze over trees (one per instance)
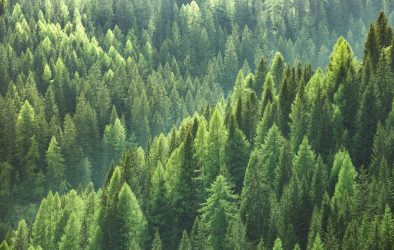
(173, 124)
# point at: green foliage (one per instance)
(156, 244)
(278, 244)
(132, 223)
(71, 236)
(218, 211)
(4, 246)
(21, 237)
(64, 64)
(55, 170)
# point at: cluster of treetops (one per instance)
(291, 158)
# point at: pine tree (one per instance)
(386, 230)
(260, 76)
(218, 211)
(318, 244)
(367, 120)
(86, 124)
(20, 240)
(342, 202)
(130, 228)
(278, 244)
(78, 167)
(287, 93)
(268, 95)
(71, 236)
(107, 222)
(236, 154)
(55, 170)
(156, 244)
(298, 120)
(185, 243)
(24, 131)
(230, 64)
(216, 142)
(385, 32)
(4, 246)
(255, 205)
(114, 140)
(159, 212)
(236, 235)
(277, 68)
(44, 225)
(372, 48)
(135, 172)
(183, 184)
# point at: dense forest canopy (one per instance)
(207, 124)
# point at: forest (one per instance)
(196, 125)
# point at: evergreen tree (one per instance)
(185, 243)
(159, 212)
(230, 63)
(236, 154)
(130, 228)
(55, 170)
(114, 140)
(277, 68)
(218, 211)
(21, 238)
(4, 245)
(318, 244)
(261, 72)
(367, 120)
(236, 235)
(268, 95)
(278, 244)
(285, 99)
(216, 142)
(255, 205)
(156, 244)
(71, 237)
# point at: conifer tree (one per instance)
(21, 238)
(318, 244)
(4, 245)
(218, 211)
(71, 236)
(278, 244)
(156, 244)
(236, 235)
(260, 76)
(277, 68)
(55, 170)
(130, 221)
(114, 140)
(367, 120)
(216, 142)
(268, 91)
(185, 243)
(236, 154)
(255, 205)
(287, 93)
(159, 212)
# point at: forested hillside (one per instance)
(209, 124)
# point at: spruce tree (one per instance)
(218, 211)
(130, 221)
(277, 68)
(71, 236)
(156, 244)
(236, 154)
(260, 76)
(20, 240)
(55, 171)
